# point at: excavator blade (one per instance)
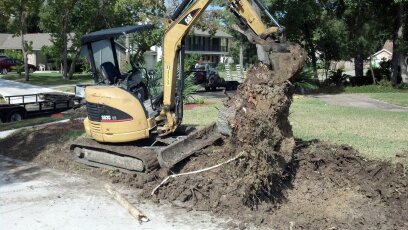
(188, 145)
(131, 158)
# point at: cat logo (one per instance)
(189, 18)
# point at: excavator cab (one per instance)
(119, 105)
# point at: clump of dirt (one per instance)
(324, 186)
(271, 174)
(48, 146)
(256, 120)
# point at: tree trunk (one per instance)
(23, 45)
(372, 72)
(396, 54)
(312, 50)
(359, 65)
(65, 45)
(241, 55)
(74, 59)
(404, 68)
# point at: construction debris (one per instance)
(126, 204)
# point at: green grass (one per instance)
(201, 116)
(400, 99)
(72, 134)
(49, 79)
(29, 122)
(376, 134)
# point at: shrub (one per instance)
(220, 67)
(382, 72)
(305, 80)
(19, 69)
(336, 77)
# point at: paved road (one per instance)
(12, 88)
(34, 197)
(359, 101)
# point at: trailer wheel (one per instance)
(15, 116)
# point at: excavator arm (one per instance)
(181, 22)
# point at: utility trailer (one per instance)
(20, 107)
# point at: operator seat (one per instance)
(110, 73)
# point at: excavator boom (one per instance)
(182, 20)
(119, 111)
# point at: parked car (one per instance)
(6, 65)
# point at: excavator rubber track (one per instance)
(124, 157)
(131, 158)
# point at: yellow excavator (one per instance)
(130, 129)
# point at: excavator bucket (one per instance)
(133, 157)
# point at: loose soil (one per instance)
(326, 186)
(276, 182)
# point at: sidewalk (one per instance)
(359, 101)
(35, 197)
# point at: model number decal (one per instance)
(108, 117)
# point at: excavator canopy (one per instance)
(113, 32)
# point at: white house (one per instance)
(385, 54)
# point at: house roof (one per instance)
(3, 37)
(388, 45)
(205, 33)
(381, 51)
(7, 41)
(39, 40)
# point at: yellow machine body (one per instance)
(103, 126)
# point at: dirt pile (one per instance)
(278, 182)
(325, 186)
(256, 121)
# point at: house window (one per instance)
(224, 44)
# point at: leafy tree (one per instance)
(56, 18)
(399, 38)
(18, 12)
(301, 19)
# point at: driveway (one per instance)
(12, 88)
(359, 101)
(34, 197)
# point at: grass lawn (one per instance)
(49, 79)
(358, 89)
(393, 98)
(376, 134)
(202, 116)
(373, 89)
